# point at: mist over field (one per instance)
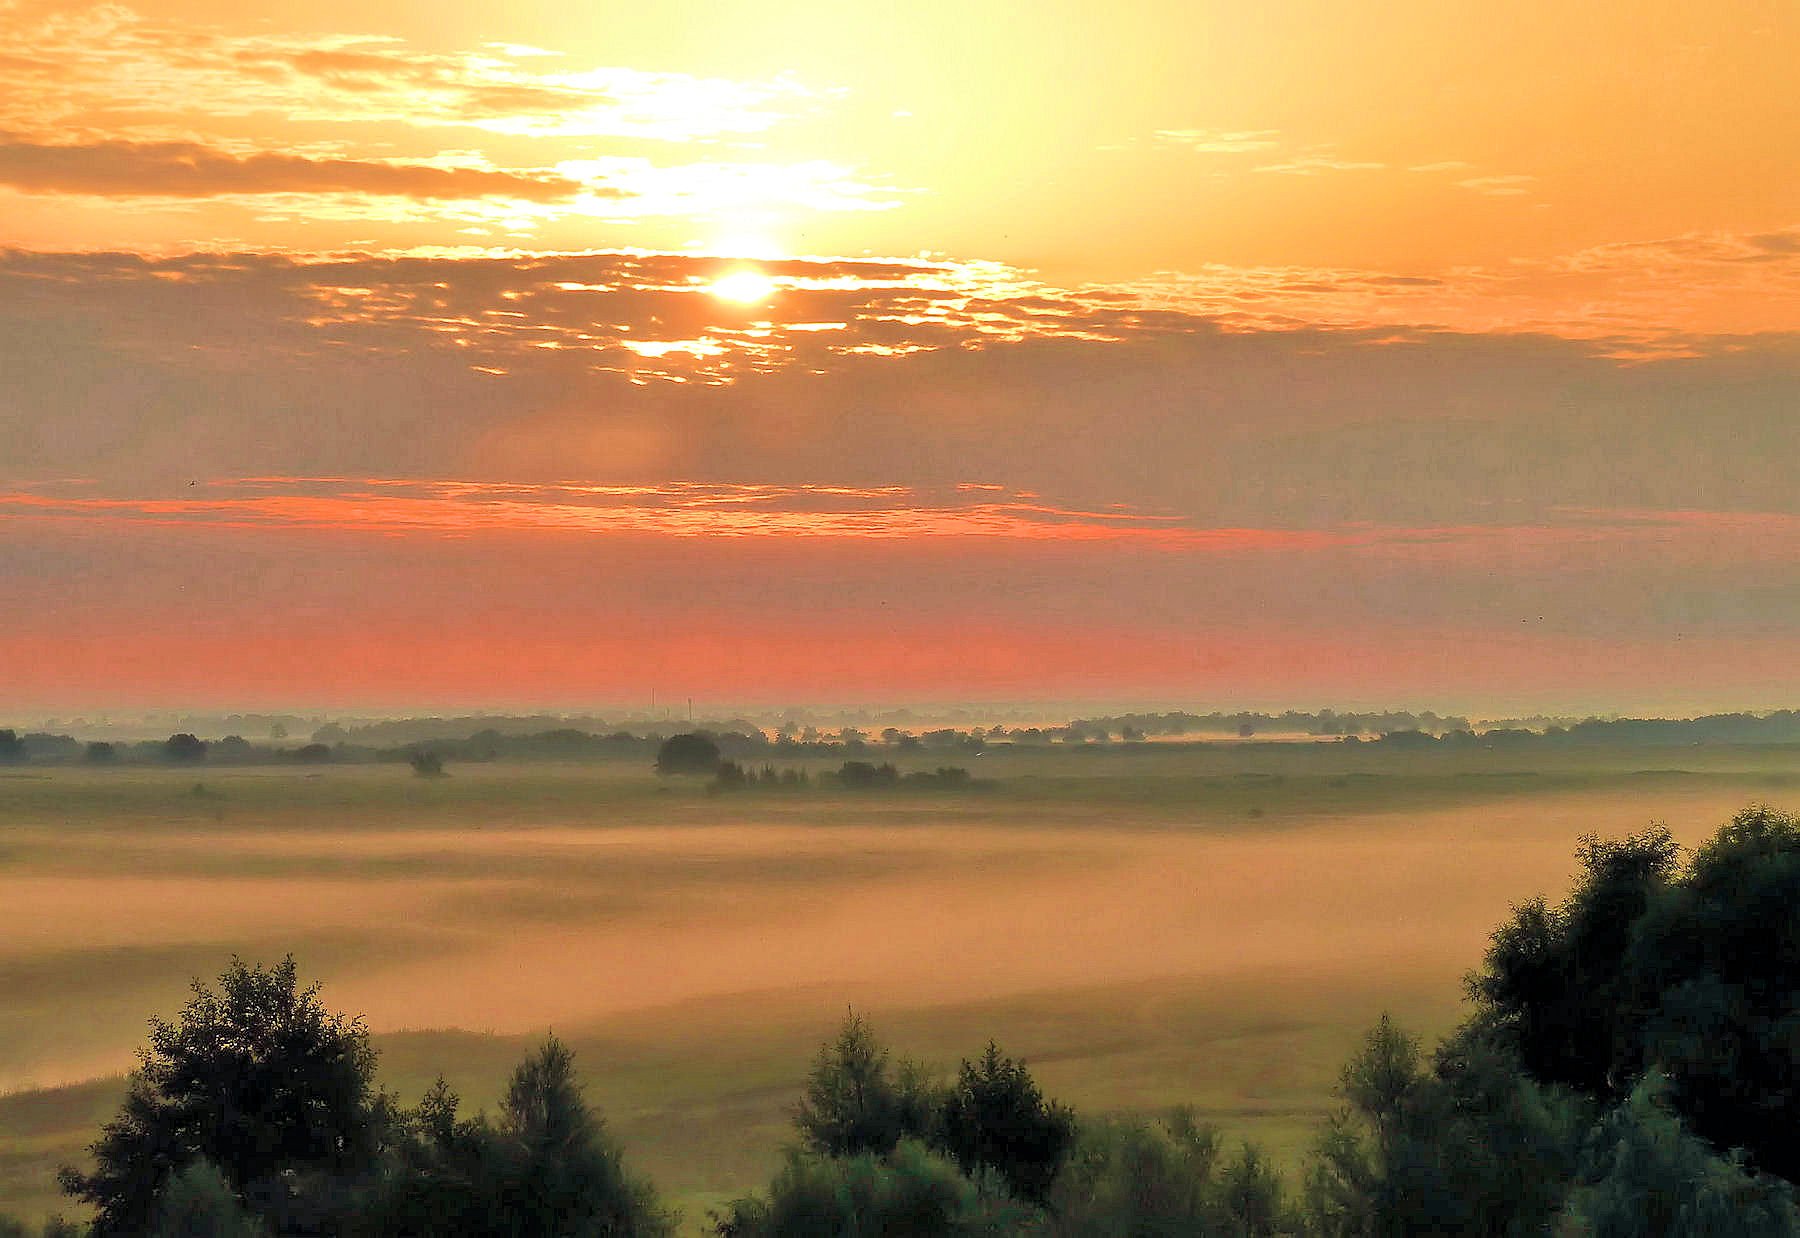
(1209, 924)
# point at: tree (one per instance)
(563, 1175)
(690, 753)
(426, 764)
(184, 749)
(1468, 1144)
(855, 1102)
(12, 748)
(910, 1193)
(99, 752)
(996, 1117)
(547, 1166)
(1168, 1179)
(1644, 1174)
(258, 1078)
(1555, 980)
(1695, 973)
(199, 1203)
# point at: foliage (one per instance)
(1642, 1174)
(546, 1166)
(1131, 1178)
(1555, 979)
(184, 749)
(12, 748)
(199, 1203)
(426, 763)
(689, 753)
(856, 1102)
(911, 1192)
(257, 1078)
(1470, 1145)
(1695, 972)
(995, 1117)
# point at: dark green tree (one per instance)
(1467, 1144)
(259, 1079)
(1644, 1175)
(857, 1101)
(546, 1166)
(912, 1192)
(564, 1172)
(995, 1117)
(1556, 981)
(1695, 973)
(1130, 1178)
(199, 1203)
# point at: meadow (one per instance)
(1148, 925)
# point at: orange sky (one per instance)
(1285, 353)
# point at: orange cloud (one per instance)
(192, 169)
(108, 60)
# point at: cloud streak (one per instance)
(106, 60)
(194, 169)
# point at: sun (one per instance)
(745, 286)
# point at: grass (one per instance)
(1170, 924)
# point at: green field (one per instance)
(1147, 925)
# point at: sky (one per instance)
(394, 354)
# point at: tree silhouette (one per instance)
(996, 1117)
(184, 749)
(258, 1078)
(688, 753)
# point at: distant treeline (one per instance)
(1324, 722)
(745, 743)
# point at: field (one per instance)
(1147, 925)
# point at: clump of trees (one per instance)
(690, 753)
(255, 1112)
(1632, 1065)
(883, 1147)
(731, 776)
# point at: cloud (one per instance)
(1220, 142)
(193, 169)
(106, 61)
(621, 368)
(1499, 186)
(1313, 165)
(1668, 296)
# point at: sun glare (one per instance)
(745, 287)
